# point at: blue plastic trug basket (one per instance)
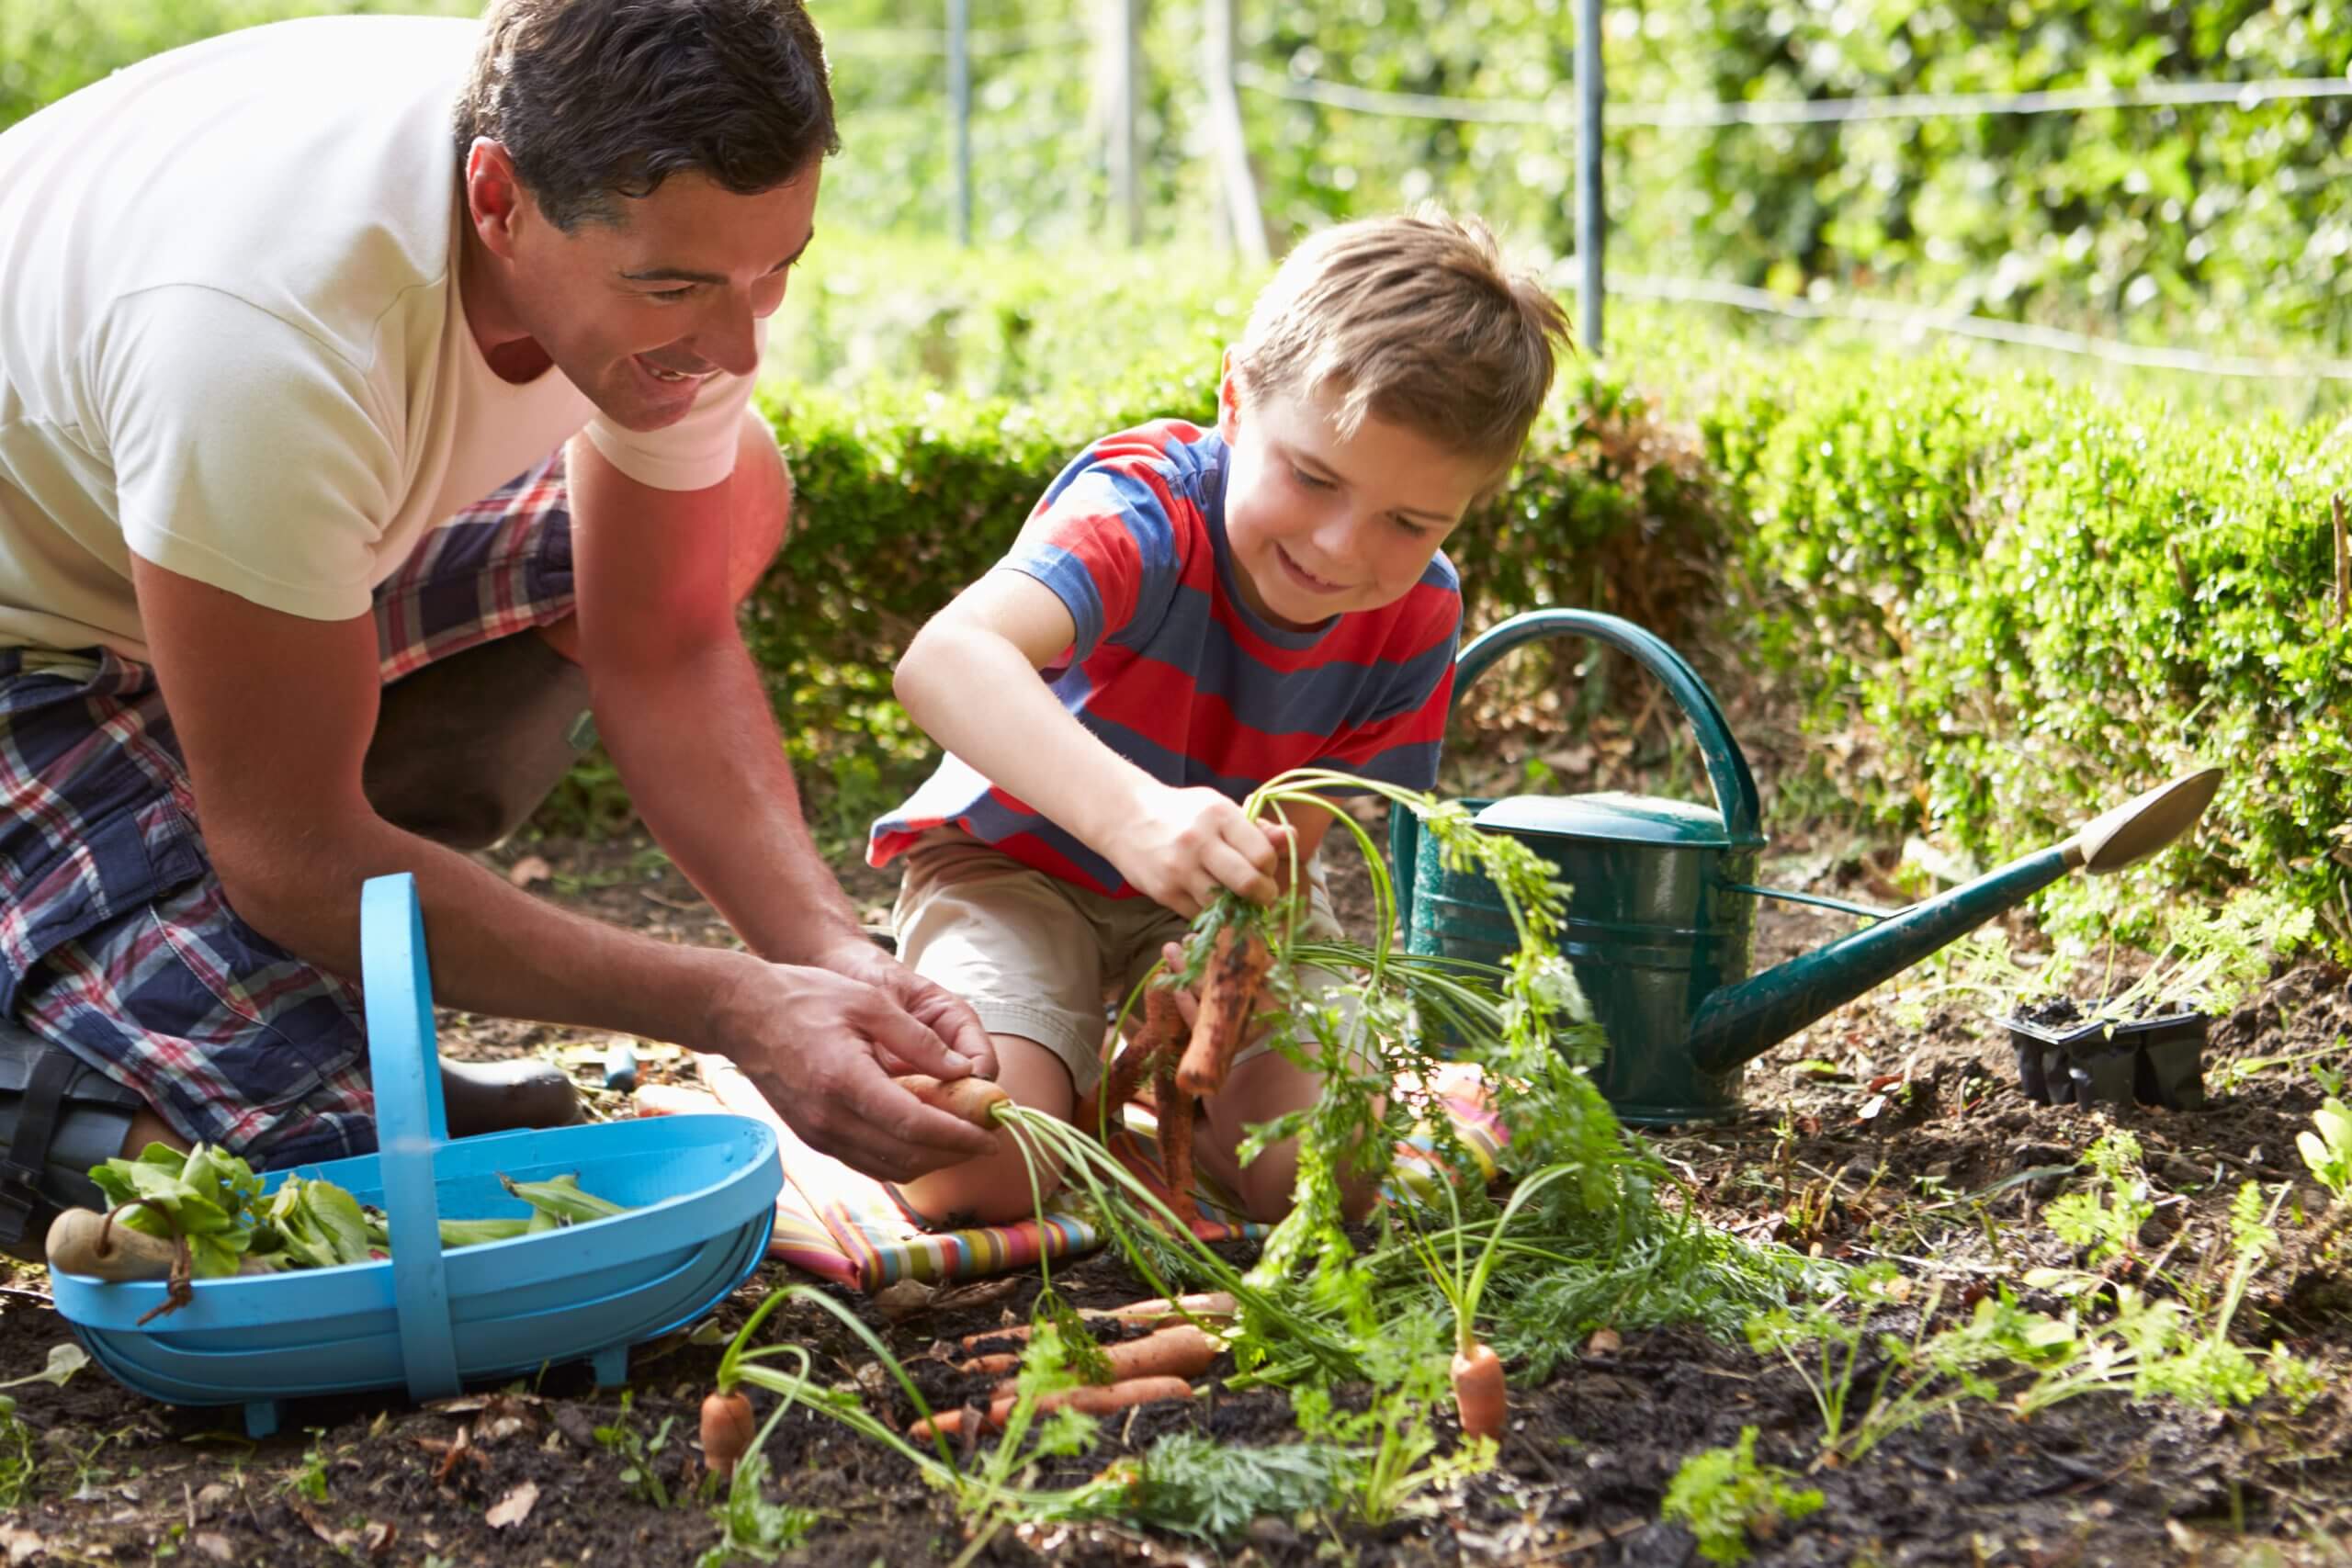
(701, 1191)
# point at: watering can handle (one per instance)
(1727, 765)
(410, 1124)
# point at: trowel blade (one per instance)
(2142, 826)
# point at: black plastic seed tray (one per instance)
(2152, 1061)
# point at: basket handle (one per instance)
(410, 1124)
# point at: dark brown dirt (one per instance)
(1877, 1134)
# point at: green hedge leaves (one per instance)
(2010, 601)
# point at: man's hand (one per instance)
(1180, 845)
(822, 1048)
(948, 1015)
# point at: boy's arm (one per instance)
(970, 680)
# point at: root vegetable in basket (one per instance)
(82, 1241)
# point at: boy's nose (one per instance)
(1339, 541)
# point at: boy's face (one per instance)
(1319, 523)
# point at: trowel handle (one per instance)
(1727, 766)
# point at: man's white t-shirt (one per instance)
(231, 340)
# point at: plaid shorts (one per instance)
(116, 940)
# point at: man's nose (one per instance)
(731, 340)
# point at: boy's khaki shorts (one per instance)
(1035, 957)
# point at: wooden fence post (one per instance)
(1126, 146)
(1245, 222)
(1592, 233)
(959, 101)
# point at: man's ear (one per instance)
(496, 200)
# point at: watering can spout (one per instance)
(1743, 1021)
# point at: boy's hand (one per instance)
(1181, 845)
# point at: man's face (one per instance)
(640, 315)
(1318, 523)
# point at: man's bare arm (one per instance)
(681, 707)
(274, 712)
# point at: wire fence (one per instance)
(1577, 116)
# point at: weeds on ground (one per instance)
(2207, 959)
(1192, 1485)
(19, 1461)
(2327, 1148)
(1393, 1463)
(2105, 1220)
(748, 1525)
(639, 1454)
(1724, 1497)
(310, 1478)
(2111, 1337)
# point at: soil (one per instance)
(1894, 1129)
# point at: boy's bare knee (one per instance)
(994, 1190)
(1269, 1185)
(978, 1192)
(763, 506)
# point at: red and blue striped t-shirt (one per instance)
(1174, 672)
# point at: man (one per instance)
(282, 311)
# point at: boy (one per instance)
(1207, 608)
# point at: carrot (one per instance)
(726, 1431)
(1479, 1391)
(1236, 969)
(1176, 1112)
(1094, 1400)
(973, 1099)
(1162, 1029)
(1216, 1306)
(1180, 1351)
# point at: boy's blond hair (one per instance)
(1416, 319)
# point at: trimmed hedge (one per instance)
(2034, 599)
(904, 497)
(2000, 601)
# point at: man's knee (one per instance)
(763, 505)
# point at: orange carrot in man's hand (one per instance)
(1094, 1400)
(1180, 1350)
(974, 1100)
(1236, 971)
(1479, 1391)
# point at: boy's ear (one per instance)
(1229, 397)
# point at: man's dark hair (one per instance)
(600, 99)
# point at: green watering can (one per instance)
(1660, 924)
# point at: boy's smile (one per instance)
(1318, 523)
